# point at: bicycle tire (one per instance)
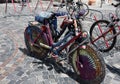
(87, 9)
(96, 14)
(96, 43)
(30, 34)
(88, 65)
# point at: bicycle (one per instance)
(103, 33)
(81, 12)
(80, 57)
(94, 15)
(79, 6)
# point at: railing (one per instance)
(27, 7)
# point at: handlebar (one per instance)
(62, 13)
(72, 10)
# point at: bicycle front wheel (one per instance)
(88, 65)
(101, 36)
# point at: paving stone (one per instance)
(18, 69)
(5, 81)
(12, 82)
(39, 78)
(30, 81)
(107, 80)
(46, 82)
(19, 82)
(116, 65)
(24, 78)
(27, 73)
(114, 82)
(117, 78)
(12, 77)
(20, 73)
(45, 77)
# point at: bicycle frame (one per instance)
(61, 45)
(65, 53)
(102, 34)
(115, 25)
(108, 30)
(52, 46)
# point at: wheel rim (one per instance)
(102, 43)
(86, 64)
(37, 49)
(31, 33)
(86, 67)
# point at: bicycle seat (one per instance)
(43, 16)
(60, 13)
(79, 3)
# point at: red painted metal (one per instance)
(29, 5)
(106, 42)
(39, 2)
(14, 5)
(6, 6)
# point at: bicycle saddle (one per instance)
(43, 16)
(79, 3)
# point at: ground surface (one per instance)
(17, 67)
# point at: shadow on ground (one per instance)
(51, 64)
(113, 69)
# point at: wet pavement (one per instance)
(17, 67)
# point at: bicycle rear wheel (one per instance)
(30, 34)
(99, 38)
(88, 65)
